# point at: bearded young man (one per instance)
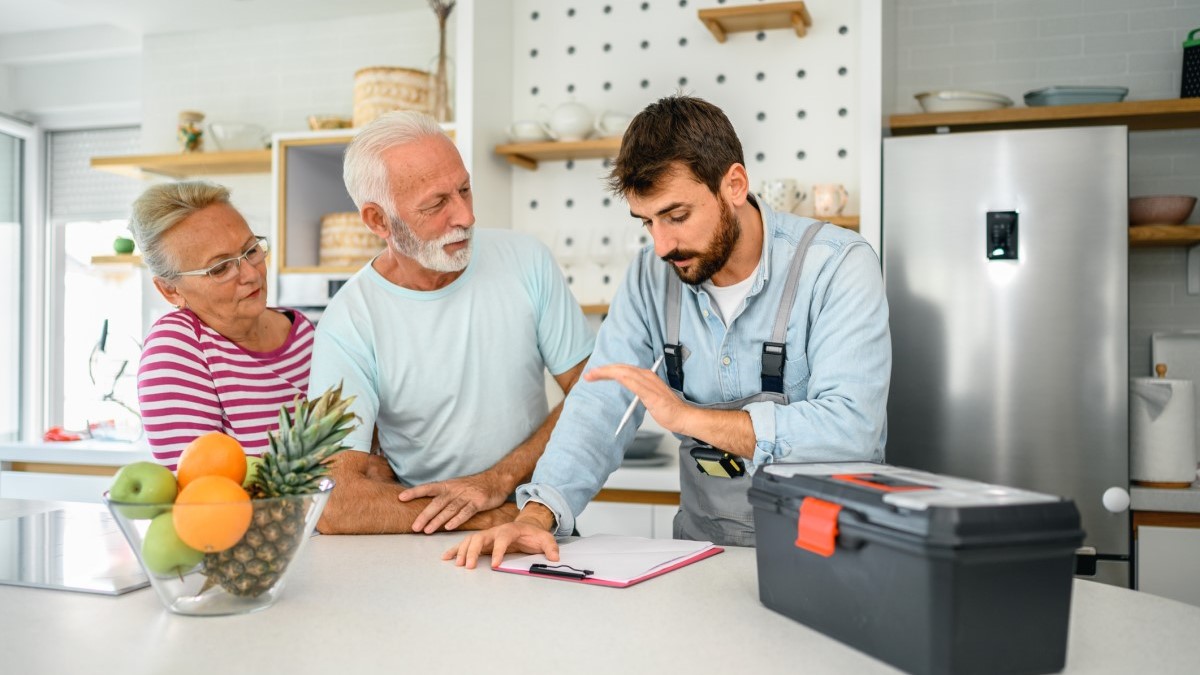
(774, 330)
(443, 340)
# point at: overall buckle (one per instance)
(717, 463)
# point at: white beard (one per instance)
(430, 254)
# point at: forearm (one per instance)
(728, 430)
(365, 500)
(537, 514)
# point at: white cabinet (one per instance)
(52, 486)
(634, 520)
(1168, 562)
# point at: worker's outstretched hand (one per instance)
(518, 536)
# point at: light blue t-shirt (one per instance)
(454, 377)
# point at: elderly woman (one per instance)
(223, 360)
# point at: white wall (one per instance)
(89, 90)
(272, 76)
(790, 126)
(6, 103)
(1014, 46)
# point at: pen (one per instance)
(636, 400)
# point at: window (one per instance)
(100, 305)
(12, 187)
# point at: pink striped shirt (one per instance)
(193, 380)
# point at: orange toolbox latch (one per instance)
(817, 526)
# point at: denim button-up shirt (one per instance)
(836, 377)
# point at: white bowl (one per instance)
(237, 136)
(953, 100)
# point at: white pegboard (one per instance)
(792, 101)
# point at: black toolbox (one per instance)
(929, 573)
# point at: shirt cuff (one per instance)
(762, 418)
(549, 497)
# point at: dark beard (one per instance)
(714, 258)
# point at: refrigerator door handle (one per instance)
(1116, 499)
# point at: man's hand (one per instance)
(670, 411)
(456, 500)
(519, 535)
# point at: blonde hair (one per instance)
(162, 207)
(365, 172)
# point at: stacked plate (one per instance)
(1061, 95)
(954, 100)
(643, 450)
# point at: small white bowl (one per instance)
(237, 136)
(953, 100)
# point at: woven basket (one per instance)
(382, 89)
(346, 241)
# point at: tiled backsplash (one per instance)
(1014, 46)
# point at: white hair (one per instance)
(365, 172)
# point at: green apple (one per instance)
(143, 483)
(252, 464)
(164, 552)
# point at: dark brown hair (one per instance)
(676, 129)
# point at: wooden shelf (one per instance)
(848, 222)
(1176, 113)
(721, 21)
(183, 165)
(1147, 236)
(527, 155)
(117, 259)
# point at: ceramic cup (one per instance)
(829, 199)
(782, 194)
(527, 131)
(612, 123)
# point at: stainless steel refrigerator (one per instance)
(1005, 257)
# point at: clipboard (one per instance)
(613, 561)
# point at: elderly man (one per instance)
(772, 332)
(443, 339)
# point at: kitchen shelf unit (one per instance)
(184, 165)
(1149, 236)
(528, 155)
(118, 259)
(308, 185)
(1176, 113)
(721, 21)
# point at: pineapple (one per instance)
(294, 465)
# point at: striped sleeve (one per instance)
(176, 391)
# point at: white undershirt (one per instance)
(727, 299)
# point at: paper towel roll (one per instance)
(1162, 430)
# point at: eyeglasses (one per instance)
(225, 270)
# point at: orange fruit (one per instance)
(212, 513)
(213, 454)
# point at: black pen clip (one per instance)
(555, 571)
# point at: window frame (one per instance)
(32, 275)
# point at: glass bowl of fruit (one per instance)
(219, 535)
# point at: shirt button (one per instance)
(725, 360)
(706, 313)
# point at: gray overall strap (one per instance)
(774, 350)
(672, 350)
(774, 353)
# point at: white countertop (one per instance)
(1184, 500)
(663, 478)
(98, 453)
(387, 604)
